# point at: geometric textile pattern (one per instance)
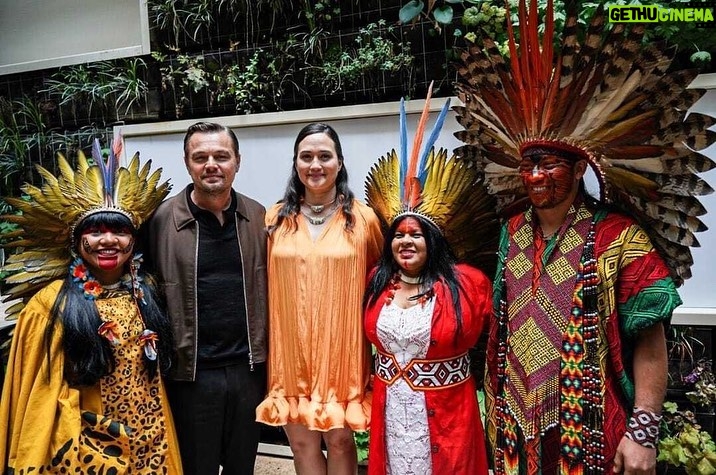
(561, 270)
(625, 245)
(644, 427)
(424, 375)
(520, 265)
(636, 284)
(537, 319)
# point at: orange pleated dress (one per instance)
(319, 359)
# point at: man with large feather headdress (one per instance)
(576, 362)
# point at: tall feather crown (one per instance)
(48, 219)
(609, 100)
(448, 193)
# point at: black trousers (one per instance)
(215, 418)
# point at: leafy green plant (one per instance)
(702, 378)
(320, 13)
(245, 85)
(440, 13)
(184, 18)
(362, 439)
(184, 74)
(376, 51)
(26, 139)
(683, 444)
(488, 17)
(91, 83)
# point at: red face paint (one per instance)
(105, 252)
(548, 179)
(409, 247)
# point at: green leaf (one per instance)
(410, 11)
(699, 56)
(443, 14)
(453, 1)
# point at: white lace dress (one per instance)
(405, 333)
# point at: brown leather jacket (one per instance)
(172, 245)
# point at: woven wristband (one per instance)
(644, 427)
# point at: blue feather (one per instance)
(403, 146)
(103, 169)
(112, 165)
(422, 169)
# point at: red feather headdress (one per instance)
(608, 99)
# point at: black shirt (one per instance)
(221, 306)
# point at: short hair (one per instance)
(210, 128)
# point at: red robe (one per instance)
(456, 435)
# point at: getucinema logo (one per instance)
(701, 13)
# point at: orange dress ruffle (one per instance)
(319, 359)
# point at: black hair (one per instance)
(210, 128)
(113, 220)
(88, 355)
(295, 190)
(439, 266)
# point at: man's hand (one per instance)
(634, 459)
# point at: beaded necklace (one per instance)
(319, 220)
(317, 209)
(394, 285)
(129, 282)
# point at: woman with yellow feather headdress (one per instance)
(83, 391)
(424, 310)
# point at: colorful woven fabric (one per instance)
(620, 276)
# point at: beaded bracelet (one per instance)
(644, 427)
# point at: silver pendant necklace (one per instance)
(319, 208)
(316, 221)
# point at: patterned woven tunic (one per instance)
(569, 310)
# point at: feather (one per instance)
(403, 142)
(43, 237)
(411, 187)
(431, 141)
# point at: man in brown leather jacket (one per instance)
(207, 246)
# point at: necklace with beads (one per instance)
(319, 220)
(92, 290)
(394, 285)
(317, 209)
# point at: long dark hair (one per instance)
(295, 190)
(439, 266)
(89, 356)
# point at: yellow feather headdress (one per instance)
(48, 218)
(448, 193)
(609, 100)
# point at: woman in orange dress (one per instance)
(322, 244)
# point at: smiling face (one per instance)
(105, 251)
(551, 180)
(409, 247)
(317, 163)
(212, 162)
